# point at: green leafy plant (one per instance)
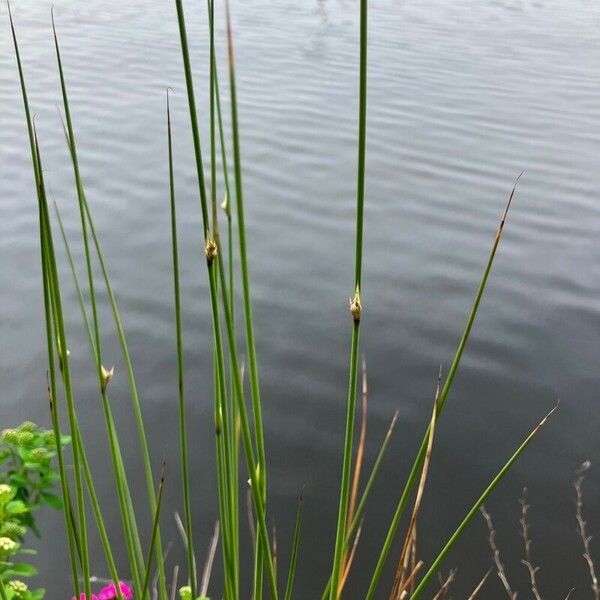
(27, 482)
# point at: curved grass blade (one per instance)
(180, 378)
(154, 536)
(121, 479)
(475, 508)
(72, 535)
(295, 545)
(443, 396)
(366, 493)
(49, 258)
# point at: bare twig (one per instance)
(410, 580)
(581, 527)
(174, 582)
(210, 557)
(527, 541)
(496, 554)
(479, 586)
(443, 591)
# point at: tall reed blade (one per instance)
(355, 309)
(247, 303)
(62, 351)
(475, 508)
(289, 588)
(154, 535)
(50, 335)
(103, 374)
(187, 507)
(410, 481)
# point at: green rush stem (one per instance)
(261, 549)
(132, 383)
(213, 146)
(83, 203)
(221, 405)
(459, 530)
(99, 519)
(247, 439)
(72, 536)
(130, 529)
(365, 496)
(154, 536)
(441, 402)
(205, 224)
(347, 464)
(294, 556)
(230, 289)
(350, 418)
(180, 378)
(64, 362)
(224, 506)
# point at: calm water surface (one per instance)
(464, 95)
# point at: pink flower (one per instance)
(110, 592)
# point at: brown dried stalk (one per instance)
(496, 554)
(443, 591)
(398, 585)
(581, 525)
(479, 586)
(527, 541)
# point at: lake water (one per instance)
(464, 95)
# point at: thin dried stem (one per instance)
(410, 580)
(350, 560)
(210, 557)
(581, 527)
(398, 583)
(527, 541)
(479, 586)
(443, 591)
(496, 554)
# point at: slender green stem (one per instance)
(120, 475)
(294, 556)
(180, 377)
(154, 535)
(248, 319)
(459, 530)
(350, 417)
(64, 364)
(365, 496)
(441, 402)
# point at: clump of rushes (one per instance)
(234, 424)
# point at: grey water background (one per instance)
(463, 96)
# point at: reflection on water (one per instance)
(463, 96)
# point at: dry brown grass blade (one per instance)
(210, 558)
(413, 558)
(581, 527)
(496, 555)
(410, 580)
(443, 591)
(349, 561)
(527, 541)
(398, 580)
(479, 586)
